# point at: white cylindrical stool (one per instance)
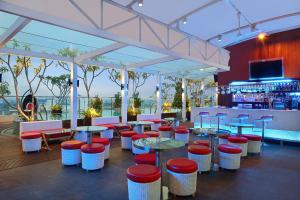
(165, 131)
(126, 139)
(81, 136)
(182, 135)
(136, 150)
(182, 173)
(229, 156)
(254, 143)
(223, 138)
(109, 133)
(152, 133)
(31, 141)
(156, 125)
(70, 152)
(241, 142)
(105, 142)
(201, 155)
(144, 182)
(92, 156)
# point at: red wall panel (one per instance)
(285, 44)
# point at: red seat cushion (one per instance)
(147, 158)
(124, 127)
(199, 149)
(182, 165)
(155, 121)
(202, 142)
(127, 133)
(72, 144)
(103, 141)
(143, 173)
(152, 133)
(181, 131)
(237, 139)
(231, 149)
(92, 148)
(224, 136)
(252, 137)
(31, 135)
(109, 126)
(139, 136)
(165, 128)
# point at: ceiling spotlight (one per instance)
(184, 20)
(220, 38)
(262, 36)
(140, 3)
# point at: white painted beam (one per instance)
(152, 62)
(99, 52)
(158, 96)
(124, 94)
(183, 99)
(74, 95)
(17, 26)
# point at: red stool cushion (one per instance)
(92, 148)
(237, 139)
(199, 149)
(182, 165)
(124, 127)
(182, 131)
(127, 133)
(143, 173)
(104, 141)
(139, 136)
(252, 137)
(152, 133)
(109, 126)
(224, 136)
(202, 142)
(231, 149)
(31, 135)
(147, 158)
(165, 128)
(155, 121)
(72, 144)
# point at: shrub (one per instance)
(97, 103)
(91, 113)
(56, 109)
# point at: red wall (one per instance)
(285, 44)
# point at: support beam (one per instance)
(152, 62)
(158, 96)
(124, 94)
(17, 26)
(183, 99)
(99, 52)
(74, 95)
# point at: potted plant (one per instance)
(56, 109)
(97, 104)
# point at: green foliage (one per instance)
(137, 101)
(91, 113)
(177, 101)
(96, 104)
(118, 100)
(133, 111)
(4, 89)
(56, 108)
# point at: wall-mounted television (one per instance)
(266, 69)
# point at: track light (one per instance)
(220, 38)
(262, 36)
(140, 3)
(184, 20)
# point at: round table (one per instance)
(138, 126)
(171, 121)
(119, 127)
(240, 126)
(89, 130)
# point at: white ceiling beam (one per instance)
(195, 10)
(98, 52)
(17, 26)
(151, 62)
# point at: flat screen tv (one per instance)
(266, 69)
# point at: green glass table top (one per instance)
(90, 128)
(211, 131)
(240, 125)
(140, 122)
(158, 143)
(170, 118)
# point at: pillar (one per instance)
(124, 94)
(183, 99)
(73, 93)
(158, 96)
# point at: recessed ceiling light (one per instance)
(184, 20)
(140, 3)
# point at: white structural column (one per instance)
(183, 99)
(124, 94)
(158, 96)
(74, 95)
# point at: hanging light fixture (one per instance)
(140, 3)
(184, 20)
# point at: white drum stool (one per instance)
(229, 156)
(223, 138)
(136, 150)
(239, 141)
(152, 133)
(92, 156)
(105, 142)
(165, 131)
(201, 155)
(156, 125)
(126, 139)
(144, 182)
(31, 141)
(254, 143)
(70, 152)
(182, 135)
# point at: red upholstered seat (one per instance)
(72, 144)
(143, 173)
(59, 134)
(182, 165)
(147, 158)
(165, 128)
(92, 148)
(224, 136)
(31, 135)
(152, 133)
(237, 139)
(155, 121)
(127, 133)
(139, 136)
(124, 127)
(202, 142)
(104, 141)
(181, 131)
(252, 137)
(199, 149)
(231, 149)
(109, 126)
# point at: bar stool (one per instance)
(239, 141)
(229, 156)
(219, 116)
(105, 142)
(145, 158)
(201, 155)
(264, 120)
(202, 115)
(126, 141)
(70, 152)
(31, 141)
(92, 156)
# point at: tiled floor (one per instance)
(275, 174)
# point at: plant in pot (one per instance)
(97, 104)
(56, 109)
